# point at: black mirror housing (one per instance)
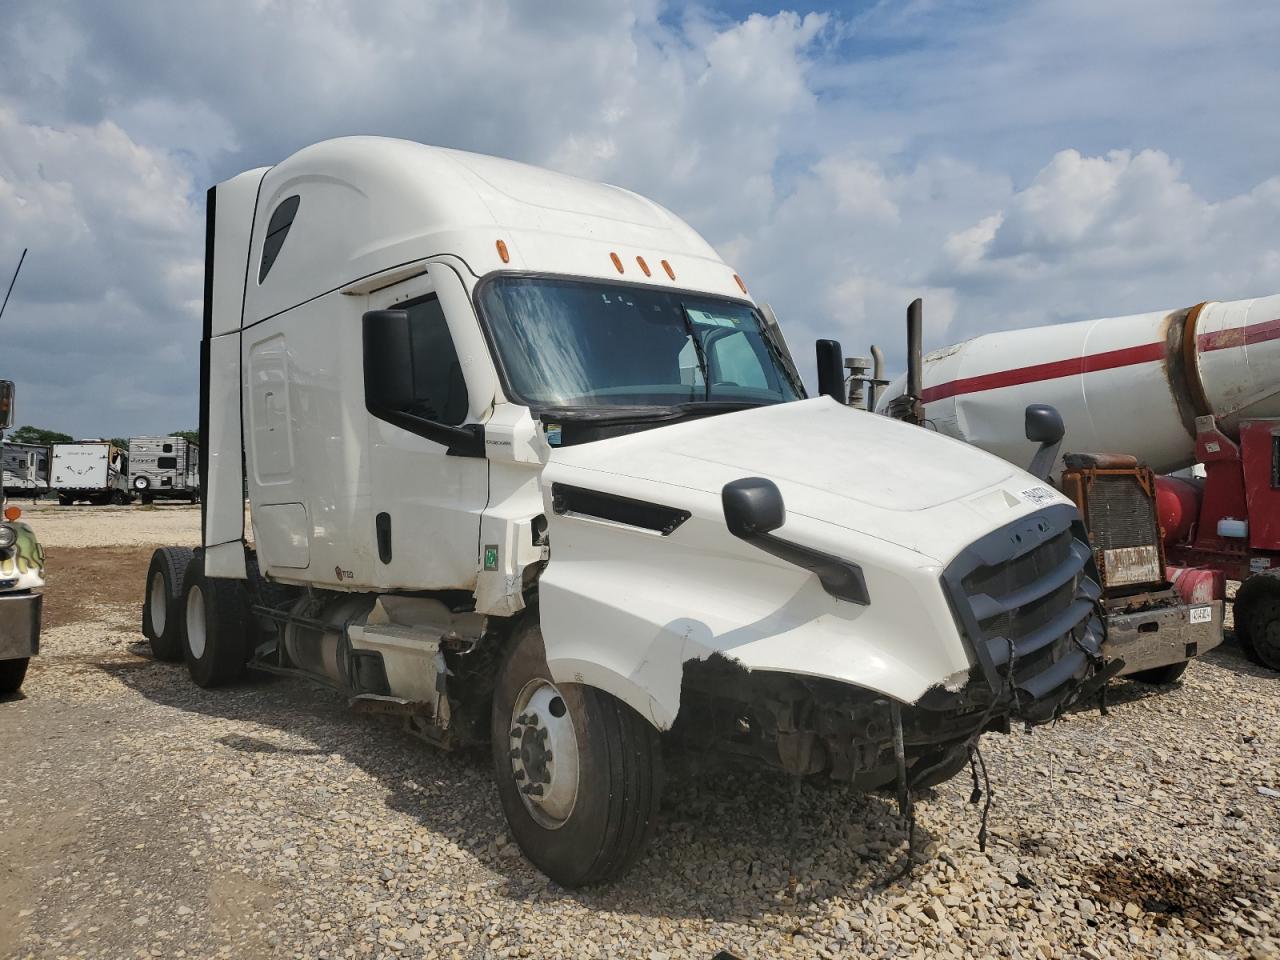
(1044, 424)
(752, 506)
(831, 371)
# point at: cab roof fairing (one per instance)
(399, 202)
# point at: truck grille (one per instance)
(1027, 606)
(1122, 523)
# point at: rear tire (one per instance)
(216, 629)
(1257, 618)
(162, 608)
(65, 500)
(598, 790)
(1161, 676)
(12, 673)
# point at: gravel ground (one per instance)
(145, 817)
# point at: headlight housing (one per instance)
(8, 536)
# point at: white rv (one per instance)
(527, 464)
(92, 470)
(25, 468)
(164, 468)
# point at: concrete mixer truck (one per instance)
(1168, 389)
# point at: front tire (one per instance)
(162, 608)
(216, 628)
(578, 771)
(12, 673)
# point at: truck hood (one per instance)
(833, 464)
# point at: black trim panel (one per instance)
(656, 517)
(210, 218)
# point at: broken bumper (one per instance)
(19, 625)
(1161, 636)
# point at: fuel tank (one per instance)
(1130, 384)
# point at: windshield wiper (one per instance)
(697, 347)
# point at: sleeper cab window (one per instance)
(277, 229)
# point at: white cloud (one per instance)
(1040, 162)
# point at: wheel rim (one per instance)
(195, 622)
(157, 601)
(544, 753)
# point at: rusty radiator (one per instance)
(1119, 509)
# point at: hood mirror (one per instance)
(6, 404)
(752, 506)
(1044, 426)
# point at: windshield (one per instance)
(578, 343)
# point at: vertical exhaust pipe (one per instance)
(877, 374)
(915, 348)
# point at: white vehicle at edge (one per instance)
(21, 578)
(526, 463)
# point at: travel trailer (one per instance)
(164, 468)
(527, 464)
(21, 578)
(95, 471)
(25, 467)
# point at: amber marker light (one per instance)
(741, 286)
(502, 251)
(12, 513)
(617, 261)
(644, 267)
(667, 267)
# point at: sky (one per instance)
(1014, 163)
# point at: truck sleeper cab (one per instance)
(526, 463)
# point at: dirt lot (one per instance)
(142, 816)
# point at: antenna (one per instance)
(13, 281)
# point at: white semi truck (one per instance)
(526, 464)
(21, 578)
(96, 471)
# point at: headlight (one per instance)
(8, 536)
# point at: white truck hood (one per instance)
(833, 464)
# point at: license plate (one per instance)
(1202, 614)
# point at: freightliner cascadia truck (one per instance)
(527, 465)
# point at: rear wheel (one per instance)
(1257, 618)
(1159, 676)
(12, 673)
(65, 500)
(216, 631)
(579, 772)
(162, 609)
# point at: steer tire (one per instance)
(216, 628)
(619, 760)
(12, 673)
(162, 608)
(1161, 676)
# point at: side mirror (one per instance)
(389, 392)
(831, 371)
(752, 506)
(1044, 426)
(753, 509)
(6, 404)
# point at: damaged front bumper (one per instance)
(1028, 609)
(1162, 632)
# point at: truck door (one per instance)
(426, 504)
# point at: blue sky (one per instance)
(1014, 163)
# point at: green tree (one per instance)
(39, 435)
(191, 436)
(120, 442)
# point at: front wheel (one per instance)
(216, 628)
(12, 673)
(579, 772)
